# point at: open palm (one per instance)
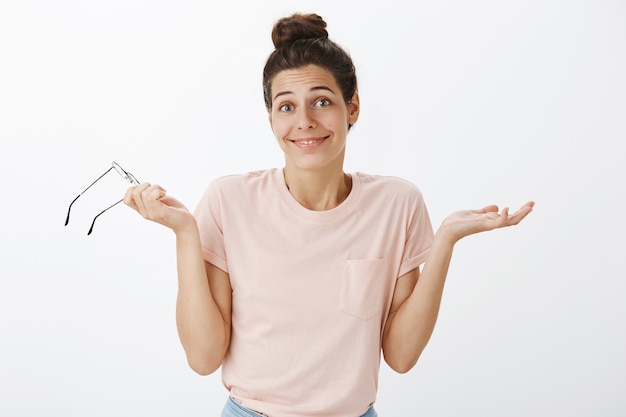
(467, 222)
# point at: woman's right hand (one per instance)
(153, 203)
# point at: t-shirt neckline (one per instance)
(325, 216)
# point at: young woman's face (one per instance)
(310, 118)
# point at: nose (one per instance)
(305, 119)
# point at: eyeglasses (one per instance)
(123, 173)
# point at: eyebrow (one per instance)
(317, 87)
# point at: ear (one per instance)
(354, 107)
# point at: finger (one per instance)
(128, 197)
(519, 215)
(504, 217)
(153, 193)
(487, 209)
(153, 206)
(139, 189)
(171, 201)
(137, 196)
(151, 198)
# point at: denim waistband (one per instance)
(234, 409)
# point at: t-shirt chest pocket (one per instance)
(363, 287)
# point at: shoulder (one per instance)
(388, 186)
(390, 197)
(236, 180)
(241, 183)
(237, 190)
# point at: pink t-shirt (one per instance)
(311, 289)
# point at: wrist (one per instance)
(187, 229)
(445, 237)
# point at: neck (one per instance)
(317, 190)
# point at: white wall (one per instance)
(476, 102)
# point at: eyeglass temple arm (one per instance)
(132, 180)
(69, 209)
(99, 214)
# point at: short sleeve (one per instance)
(419, 236)
(209, 219)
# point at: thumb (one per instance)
(171, 201)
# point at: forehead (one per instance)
(302, 80)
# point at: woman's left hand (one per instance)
(467, 222)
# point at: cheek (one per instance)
(281, 132)
(281, 135)
(337, 124)
(277, 127)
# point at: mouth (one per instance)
(308, 143)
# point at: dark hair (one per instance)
(301, 40)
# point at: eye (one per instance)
(286, 108)
(323, 102)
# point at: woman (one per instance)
(294, 280)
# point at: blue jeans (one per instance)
(234, 409)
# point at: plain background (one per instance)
(476, 102)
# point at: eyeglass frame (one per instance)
(123, 173)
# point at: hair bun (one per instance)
(298, 26)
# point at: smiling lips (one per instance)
(308, 143)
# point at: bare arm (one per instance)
(203, 305)
(416, 300)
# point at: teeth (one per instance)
(307, 142)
